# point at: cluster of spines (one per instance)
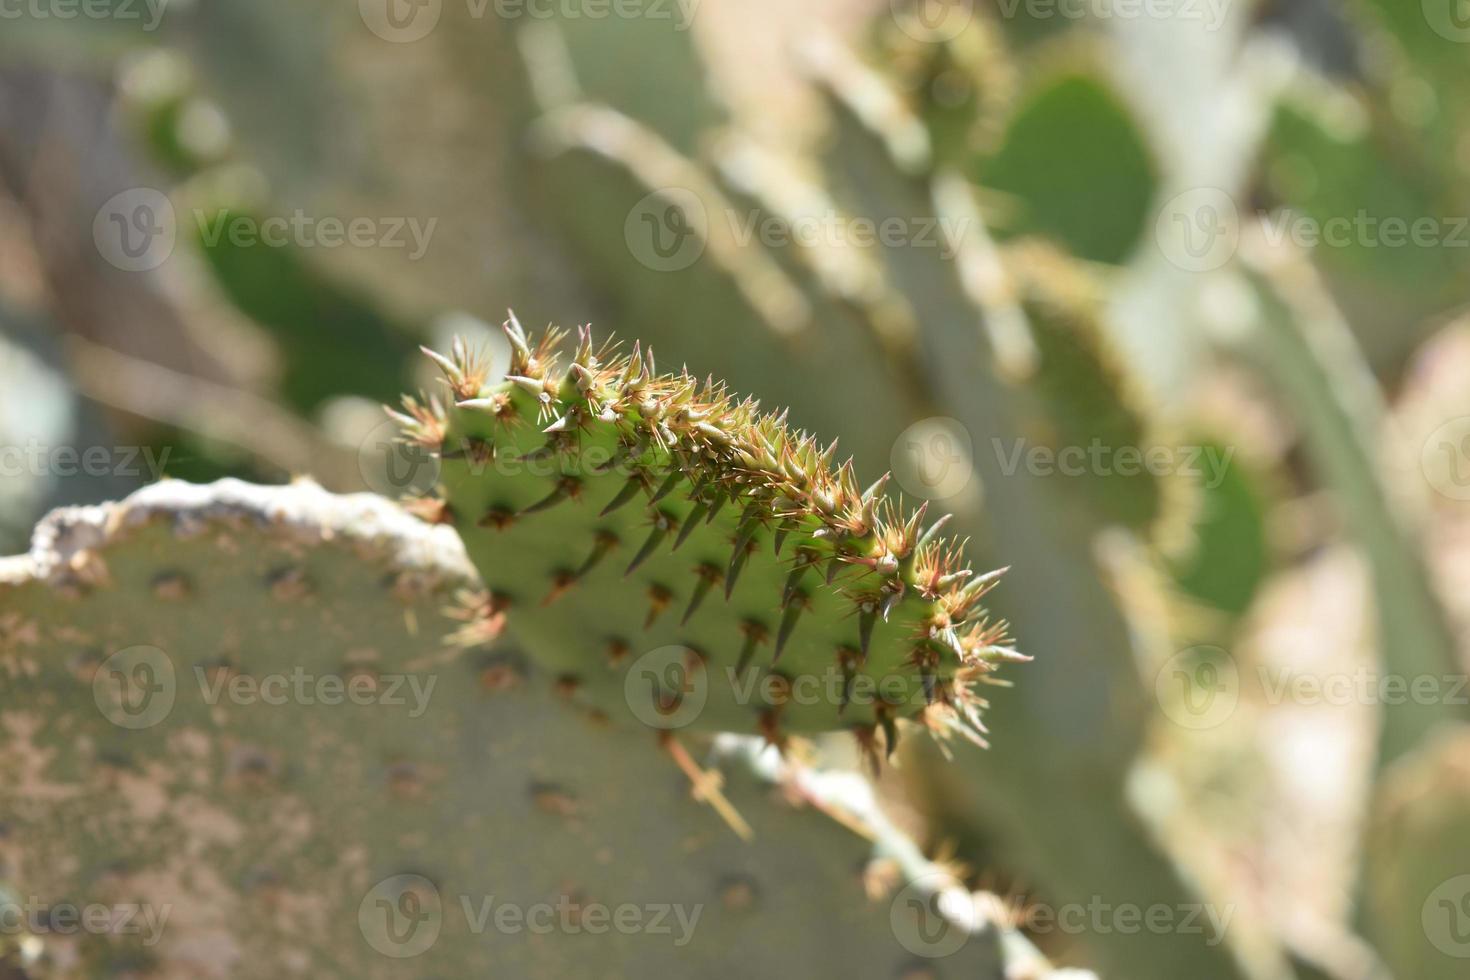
(678, 431)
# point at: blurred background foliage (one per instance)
(1332, 378)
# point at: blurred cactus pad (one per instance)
(671, 549)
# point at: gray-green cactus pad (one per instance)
(274, 832)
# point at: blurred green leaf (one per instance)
(1229, 557)
(333, 342)
(1076, 163)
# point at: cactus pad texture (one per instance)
(675, 551)
(384, 832)
(622, 518)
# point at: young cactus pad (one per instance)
(673, 550)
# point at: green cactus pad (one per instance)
(262, 838)
(676, 552)
(1075, 166)
(1092, 398)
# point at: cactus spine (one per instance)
(614, 512)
